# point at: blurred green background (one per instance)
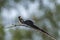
(44, 13)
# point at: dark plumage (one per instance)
(28, 22)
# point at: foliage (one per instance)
(53, 17)
(2, 33)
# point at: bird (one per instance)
(31, 24)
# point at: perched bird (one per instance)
(31, 24)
